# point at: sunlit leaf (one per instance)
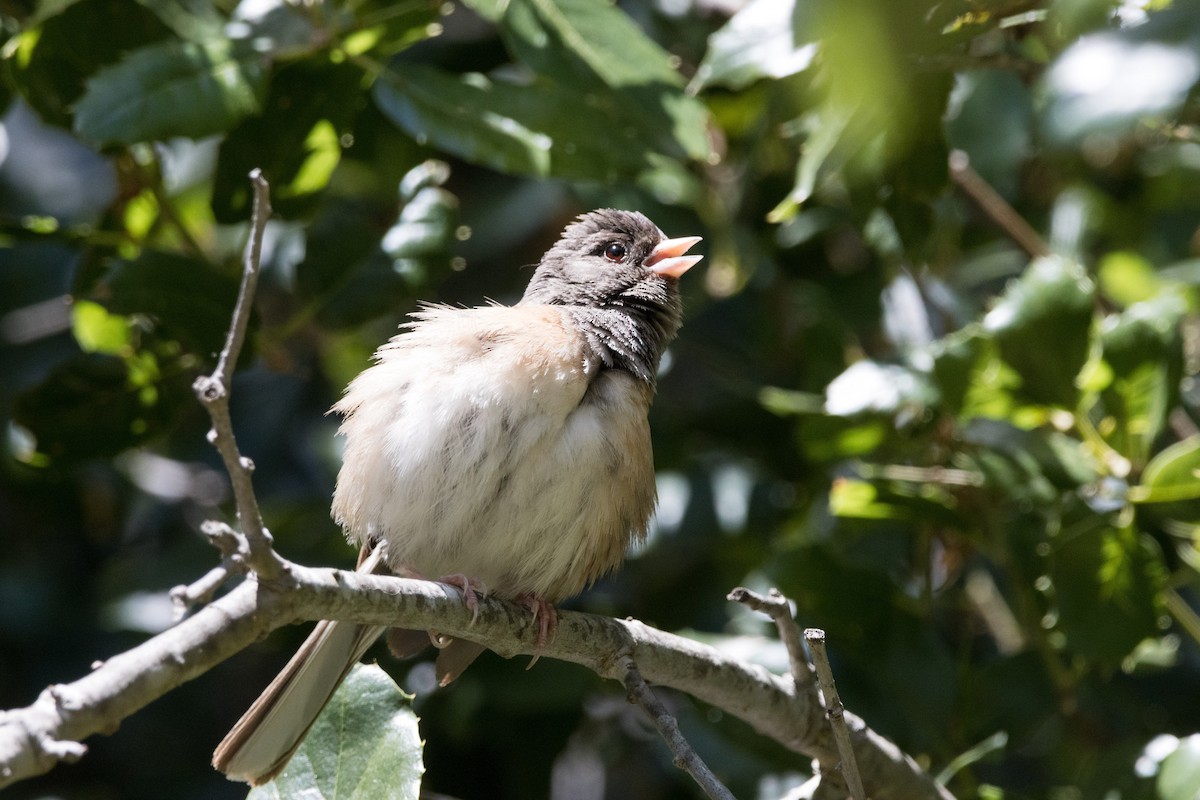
(535, 130)
(850, 498)
(588, 40)
(1106, 583)
(1171, 481)
(759, 41)
(1143, 348)
(295, 140)
(50, 61)
(171, 89)
(364, 746)
(871, 387)
(1127, 278)
(98, 331)
(1106, 83)
(1041, 325)
(594, 46)
(463, 117)
(1179, 775)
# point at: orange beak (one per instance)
(667, 258)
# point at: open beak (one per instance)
(667, 257)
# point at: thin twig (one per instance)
(213, 392)
(835, 711)
(996, 207)
(777, 607)
(685, 757)
(231, 544)
(186, 596)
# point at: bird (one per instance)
(501, 449)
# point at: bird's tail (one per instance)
(262, 742)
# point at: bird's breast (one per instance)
(489, 442)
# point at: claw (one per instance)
(546, 617)
(471, 591)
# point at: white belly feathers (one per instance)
(469, 471)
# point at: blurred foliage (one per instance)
(977, 469)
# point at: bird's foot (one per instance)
(545, 616)
(471, 590)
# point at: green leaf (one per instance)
(1172, 478)
(1143, 348)
(1106, 583)
(365, 745)
(593, 46)
(1127, 278)
(49, 62)
(759, 41)
(1027, 465)
(465, 116)
(96, 405)
(98, 331)
(491, 10)
(1042, 326)
(295, 140)
(172, 89)
(592, 41)
(859, 499)
(819, 155)
(955, 358)
(538, 130)
(990, 118)
(187, 300)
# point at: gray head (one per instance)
(618, 273)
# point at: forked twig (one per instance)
(777, 607)
(685, 757)
(213, 393)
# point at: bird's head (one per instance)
(613, 259)
(620, 275)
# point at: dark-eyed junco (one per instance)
(501, 449)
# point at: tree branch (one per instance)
(835, 711)
(996, 207)
(213, 393)
(127, 682)
(777, 607)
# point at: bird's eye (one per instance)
(615, 252)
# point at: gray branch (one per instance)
(213, 393)
(35, 738)
(685, 757)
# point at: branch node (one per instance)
(66, 751)
(212, 391)
(777, 606)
